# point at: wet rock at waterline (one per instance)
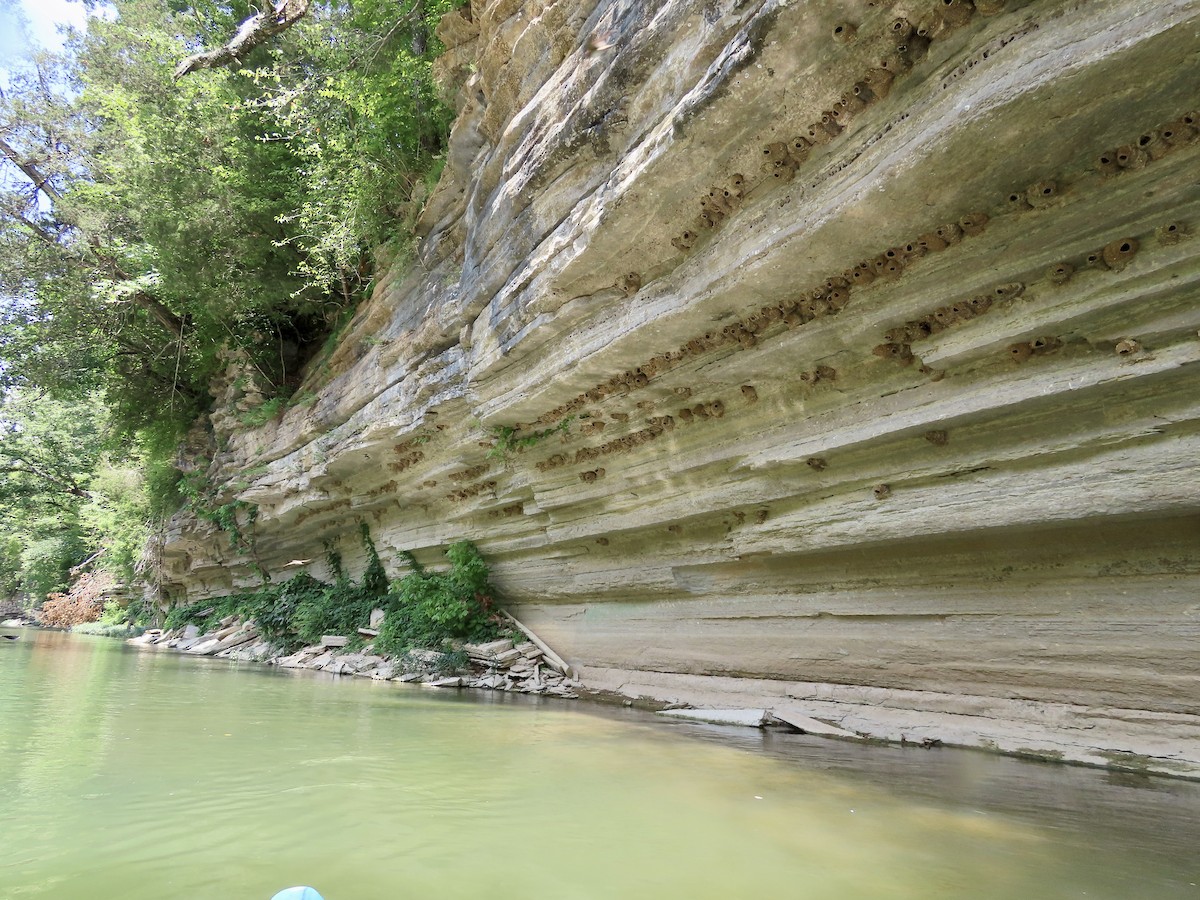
(497, 666)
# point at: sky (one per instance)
(36, 22)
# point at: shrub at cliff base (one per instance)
(424, 609)
(431, 609)
(288, 615)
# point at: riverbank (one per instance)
(502, 665)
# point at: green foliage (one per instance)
(146, 223)
(299, 611)
(108, 629)
(46, 564)
(114, 614)
(424, 610)
(48, 452)
(236, 517)
(10, 564)
(159, 448)
(263, 413)
(117, 516)
(150, 225)
(505, 438)
(351, 93)
(375, 577)
(49, 449)
(427, 609)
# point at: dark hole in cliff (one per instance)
(299, 340)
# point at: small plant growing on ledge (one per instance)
(505, 440)
(264, 412)
(198, 495)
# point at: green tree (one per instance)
(48, 451)
(150, 223)
(147, 222)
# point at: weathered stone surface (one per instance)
(946, 492)
(489, 650)
(382, 672)
(322, 661)
(506, 658)
(203, 647)
(237, 639)
(787, 714)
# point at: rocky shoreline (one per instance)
(502, 665)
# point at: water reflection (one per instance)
(142, 776)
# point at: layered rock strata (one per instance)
(838, 359)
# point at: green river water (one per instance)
(140, 775)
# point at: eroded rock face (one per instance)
(832, 358)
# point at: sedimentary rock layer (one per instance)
(833, 358)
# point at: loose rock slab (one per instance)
(746, 718)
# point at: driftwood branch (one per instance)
(257, 29)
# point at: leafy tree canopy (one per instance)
(151, 222)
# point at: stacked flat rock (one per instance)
(496, 665)
(231, 640)
(522, 667)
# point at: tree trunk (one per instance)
(256, 30)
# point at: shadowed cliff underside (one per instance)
(855, 350)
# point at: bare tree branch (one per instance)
(40, 181)
(256, 30)
(23, 466)
(33, 228)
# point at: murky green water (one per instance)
(127, 774)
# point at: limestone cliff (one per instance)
(835, 357)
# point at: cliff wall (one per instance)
(839, 358)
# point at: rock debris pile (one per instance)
(498, 665)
